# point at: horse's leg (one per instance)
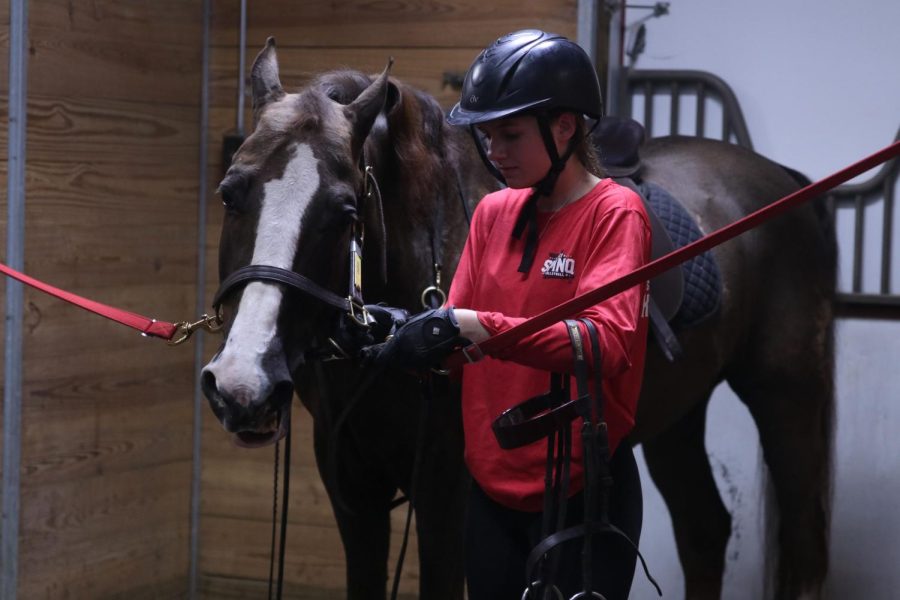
(361, 500)
(440, 518)
(441, 496)
(679, 466)
(793, 413)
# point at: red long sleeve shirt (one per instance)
(589, 242)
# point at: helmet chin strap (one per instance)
(544, 187)
(484, 157)
(528, 215)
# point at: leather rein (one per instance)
(550, 416)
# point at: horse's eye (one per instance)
(340, 219)
(348, 213)
(227, 197)
(345, 201)
(232, 190)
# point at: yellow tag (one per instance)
(357, 271)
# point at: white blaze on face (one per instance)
(239, 368)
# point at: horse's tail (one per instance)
(810, 576)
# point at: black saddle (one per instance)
(680, 297)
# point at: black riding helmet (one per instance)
(526, 71)
(529, 72)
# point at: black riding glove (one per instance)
(419, 344)
(384, 321)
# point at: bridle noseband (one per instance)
(352, 306)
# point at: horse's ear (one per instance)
(393, 97)
(264, 77)
(363, 111)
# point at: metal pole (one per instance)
(15, 258)
(615, 76)
(196, 458)
(242, 53)
(587, 27)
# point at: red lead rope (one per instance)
(183, 330)
(652, 269)
(146, 326)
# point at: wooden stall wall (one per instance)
(426, 40)
(112, 184)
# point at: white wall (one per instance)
(819, 84)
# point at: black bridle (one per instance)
(352, 305)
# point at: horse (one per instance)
(298, 191)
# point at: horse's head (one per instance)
(291, 198)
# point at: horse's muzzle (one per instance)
(256, 417)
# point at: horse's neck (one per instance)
(425, 220)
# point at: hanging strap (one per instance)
(427, 386)
(542, 561)
(285, 495)
(595, 449)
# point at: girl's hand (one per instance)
(421, 343)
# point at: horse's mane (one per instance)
(414, 129)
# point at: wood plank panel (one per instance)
(404, 23)
(112, 69)
(111, 214)
(422, 68)
(140, 523)
(4, 51)
(222, 587)
(170, 22)
(79, 152)
(78, 429)
(105, 213)
(128, 132)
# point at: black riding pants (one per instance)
(499, 539)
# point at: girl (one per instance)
(557, 230)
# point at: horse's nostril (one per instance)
(210, 388)
(208, 384)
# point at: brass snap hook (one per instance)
(185, 329)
